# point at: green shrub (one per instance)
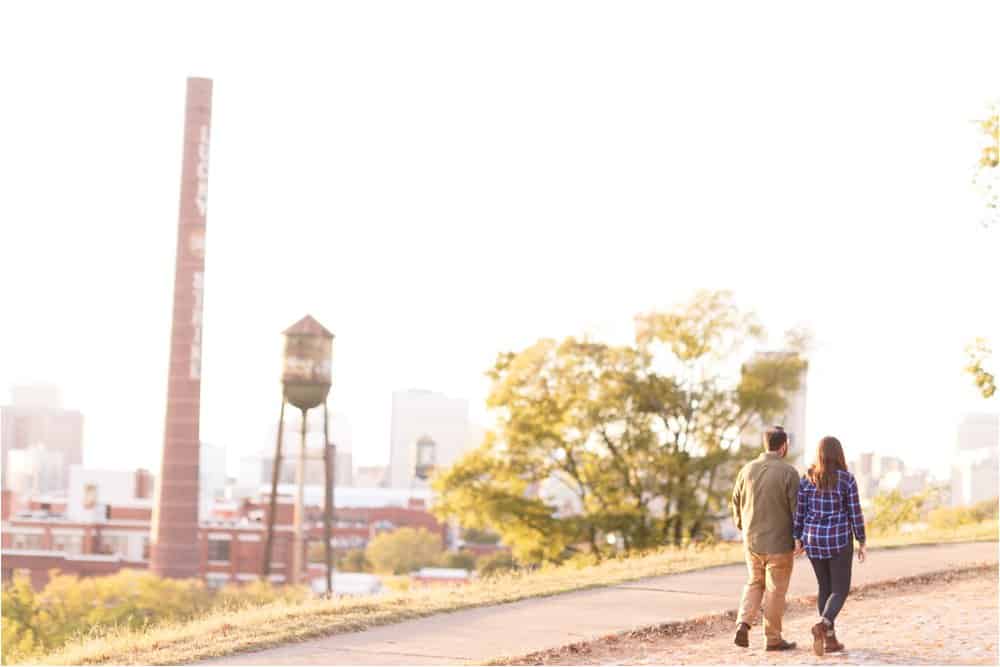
(496, 563)
(464, 560)
(354, 560)
(404, 550)
(944, 518)
(987, 509)
(891, 510)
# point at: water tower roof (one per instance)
(307, 326)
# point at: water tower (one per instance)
(305, 381)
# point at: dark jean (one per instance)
(834, 578)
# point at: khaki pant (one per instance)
(768, 582)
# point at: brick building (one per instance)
(46, 534)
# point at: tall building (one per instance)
(976, 464)
(884, 465)
(372, 477)
(211, 476)
(884, 474)
(417, 415)
(978, 430)
(36, 470)
(36, 418)
(339, 433)
(175, 511)
(865, 464)
(256, 469)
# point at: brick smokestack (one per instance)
(174, 548)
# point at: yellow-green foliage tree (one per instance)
(404, 550)
(70, 607)
(644, 438)
(891, 510)
(987, 179)
(463, 560)
(491, 565)
(354, 560)
(21, 634)
(979, 357)
(944, 518)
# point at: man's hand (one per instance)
(862, 553)
(800, 548)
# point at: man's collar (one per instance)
(769, 455)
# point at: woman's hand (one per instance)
(862, 553)
(799, 548)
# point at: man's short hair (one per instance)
(775, 437)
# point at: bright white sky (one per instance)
(437, 182)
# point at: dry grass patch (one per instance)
(223, 633)
(226, 632)
(984, 531)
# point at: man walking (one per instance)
(763, 504)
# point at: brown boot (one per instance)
(819, 638)
(781, 646)
(832, 645)
(742, 635)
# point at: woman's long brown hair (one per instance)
(829, 459)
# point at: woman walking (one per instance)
(828, 519)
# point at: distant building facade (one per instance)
(35, 418)
(211, 477)
(420, 415)
(885, 474)
(372, 476)
(976, 466)
(104, 526)
(36, 470)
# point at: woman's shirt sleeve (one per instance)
(798, 525)
(857, 518)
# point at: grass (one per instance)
(975, 532)
(226, 632)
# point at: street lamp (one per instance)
(305, 380)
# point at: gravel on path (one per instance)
(942, 619)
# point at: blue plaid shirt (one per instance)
(825, 520)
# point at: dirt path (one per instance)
(948, 620)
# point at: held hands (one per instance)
(799, 548)
(862, 553)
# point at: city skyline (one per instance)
(432, 225)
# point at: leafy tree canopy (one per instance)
(404, 550)
(631, 446)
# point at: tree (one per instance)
(70, 606)
(637, 442)
(987, 178)
(404, 550)
(476, 536)
(979, 355)
(463, 560)
(21, 634)
(355, 561)
(351, 560)
(891, 510)
(491, 565)
(988, 181)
